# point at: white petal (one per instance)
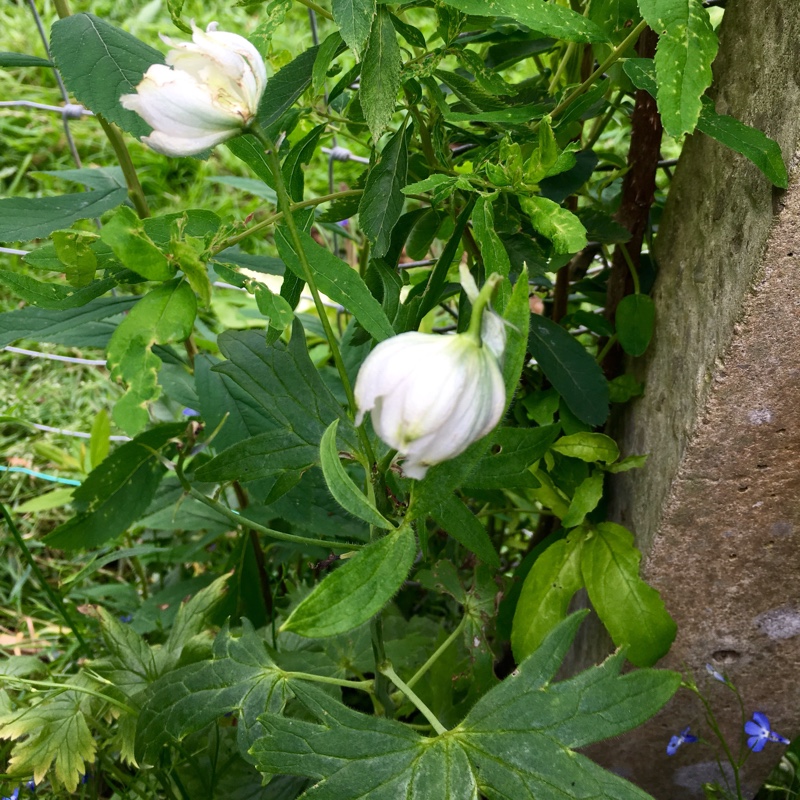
(176, 146)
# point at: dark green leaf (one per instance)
(341, 485)
(382, 202)
(21, 60)
(513, 450)
(26, 218)
(494, 255)
(337, 280)
(285, 87)
(78, 328)
(572, 371)
(249, 149)
(454, 517)
(116, 493)
(354, 18)
(548, 18)
(517, 741)
(635, 319)
(380, 74)
(327, 52)
(632, 611)
(241, 678)
(53, 295)
(357, 590)
(100, 63)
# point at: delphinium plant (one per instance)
(389, 480)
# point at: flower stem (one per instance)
(479, 306)
(285, 206)
(63, 687)
(439, 650)
(246, 521)
(275, 218)
(613, 57)
(364, 686)
(386, 669)
(135, 191)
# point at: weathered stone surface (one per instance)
(717, 508)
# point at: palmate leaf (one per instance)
(54, 729)
(517, 742)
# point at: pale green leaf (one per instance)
(357, 590)
(585, 500)
(588, 446)
(341, 485)
(354, 18)
(561, 226)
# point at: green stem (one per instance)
(629, 261)
(479, 306)
(54, 597)
(604, 352)
(274, 218)
(285, 205)
(441, 649)
(317, 9)
(364, 686)
(249, 523)
(615, 55)
(379, 653)
(602, 122)
(386, 669)
(135, 191)
(67, 688)
(562, 65)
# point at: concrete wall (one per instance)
(716, 510)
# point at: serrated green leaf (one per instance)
(495, 257)
(116, 493)
(165, 314)
(632, 611)
(572, 371)
(26, 218)
(433, 183)
(100, 63)
(22, 60)
(687, 46)
(455, 518)
(550, 19)
(354, 18)
(585, 500)
(124, 233)
(357, 590)
(561, 226)
(382, 202)
(53, 729)
(750, 142)
(588, 446)
(546, 593)
(241, 677)
(513, 450)
(516, 742)
(341, 485)
(270, 18)
(285, 86)
(337, 280)
(380, 74)
(635, 319)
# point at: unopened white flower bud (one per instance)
(431, 396)
(209, 91)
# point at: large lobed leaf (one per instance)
(517, 742)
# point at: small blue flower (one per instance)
(126, 618)
(717, 676)
(684, 737)
(759, 733)
(30, 786)
(13, 796)
(190, 412)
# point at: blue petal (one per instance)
(689, 739)
(776, 737)
(674, 743)
(756, 743)
(753, 729)
(762, 720)
(684, 732)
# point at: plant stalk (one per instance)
(386, 669)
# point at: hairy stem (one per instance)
(439, 651)
(386, 669)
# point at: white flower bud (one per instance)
(431, 396)
(207, 94)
